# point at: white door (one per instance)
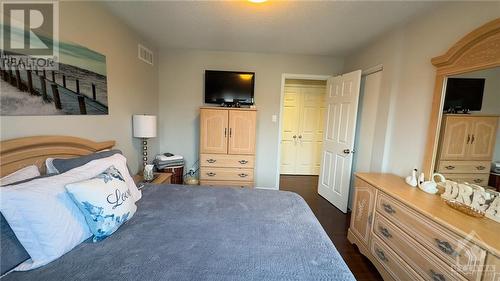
(338, 141)
(310, 134)
(289, 132)
(302, 129)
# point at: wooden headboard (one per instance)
(21, 152)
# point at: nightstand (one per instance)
(161, 178)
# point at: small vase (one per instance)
(148, 172)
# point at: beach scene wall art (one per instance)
(77, 86)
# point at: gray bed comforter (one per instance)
(201, 233)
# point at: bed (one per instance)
(191, 233)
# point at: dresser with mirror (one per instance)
(412, 235)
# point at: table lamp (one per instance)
(144, 127)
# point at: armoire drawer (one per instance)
(227, 183)
(479, 179)
(464, 167)
(392, 263)
(420, 259)
(226, 174)
(227, 160)
(449, 247)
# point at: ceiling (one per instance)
(293, 27)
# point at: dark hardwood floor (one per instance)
(334, 222)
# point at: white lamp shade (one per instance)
(144, 126)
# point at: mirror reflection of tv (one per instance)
(226, 87)
(464, 94)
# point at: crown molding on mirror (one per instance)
(479, 49)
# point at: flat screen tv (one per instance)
(229, 87)
(464, 94)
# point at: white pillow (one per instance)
(50, 167)
(105, 200)
(117, 160)
(44, 218)
(20, 175)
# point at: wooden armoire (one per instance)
(227, 146)
(466, 147)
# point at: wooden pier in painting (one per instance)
(51, 86)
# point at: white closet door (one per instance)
(310, 131)
(290, 127)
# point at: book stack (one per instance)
(163, 162)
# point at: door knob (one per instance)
(348, 151)
(294, 136)
(300, 136)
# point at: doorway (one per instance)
(335, 114)
(366, 159)
(303, 110)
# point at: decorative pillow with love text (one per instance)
(105, 200)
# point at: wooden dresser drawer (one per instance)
(492, 268)
(227, 160)
(420, 259)
(449, 247)
(479, 179)
(464, 167)
(226, 174)
(396, 267)
(227, 183)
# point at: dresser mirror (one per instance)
(468, 148)
(463, 136)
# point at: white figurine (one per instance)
(412, 179)
(430, 186)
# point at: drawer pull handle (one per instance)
(211, 174)
(381, 255)
(445, 247)
(437, 276)
(211, 160)
(478, 180)
(388, 208)
(384, 231)
(242, 175)
(450, 167)
(480, 168)
(243, 162)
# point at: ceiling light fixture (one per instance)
(257, 1)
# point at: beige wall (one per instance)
(181, 77)
(132, 84)
(408, 78)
